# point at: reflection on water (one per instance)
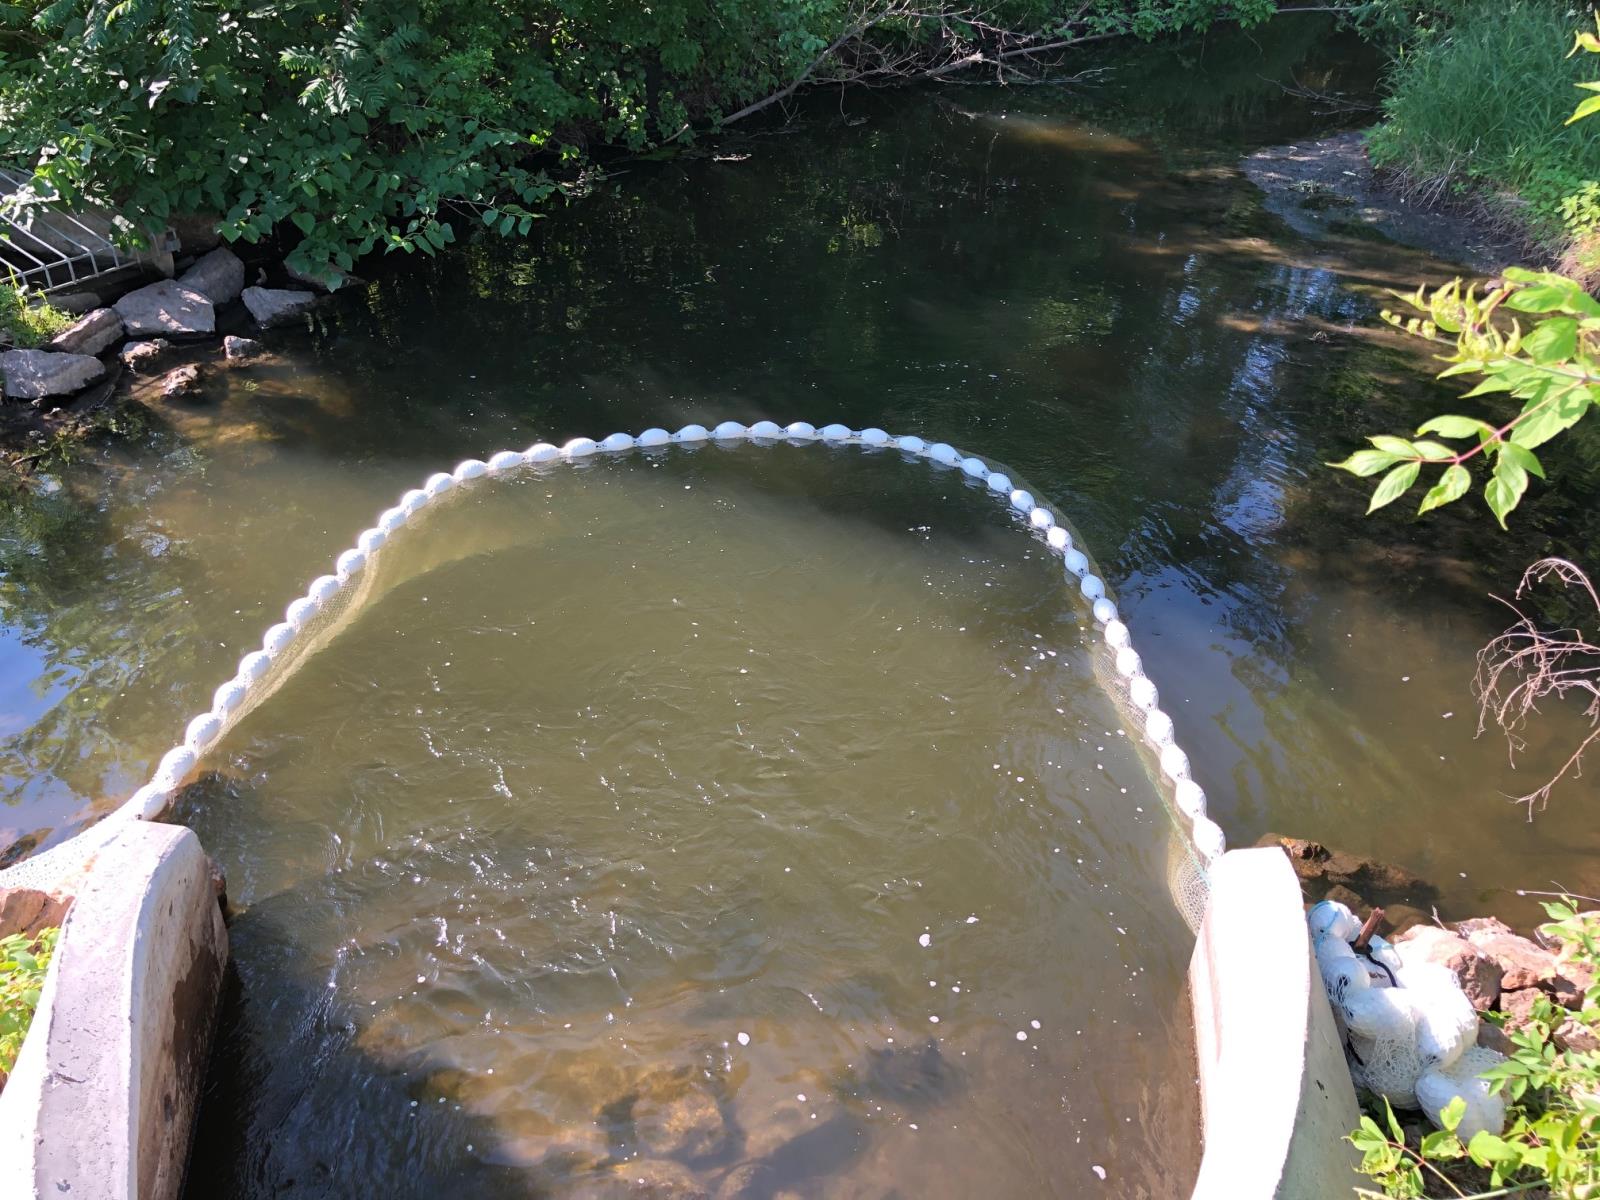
(1079, 284)
(741, 820)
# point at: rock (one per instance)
(197, 232)
(1572, 980)
(241, 347)
(1321, 868)
(1343, 895)
(182, 383)
(1478, 974)
(1518, 1005)
(90, 334)
(639, 1179)
(748, 1181)
(1524, 963)
(167, 308)
(76, 303)
(24, 910)
(274, 306)
(1575, 1036)
(218, 276)
(670, 1114)
(36, 374)
(143, 356)
(1400, 917)
(1492, 1037)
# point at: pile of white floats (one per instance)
(236, 696)
(1411, 1033)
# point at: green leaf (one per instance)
(1450, 1115)
(1504, 491)
(1523, 458)
(1455, 427)
(1549, 416)
(1486, 1149)
(1452, 485)
(1553, 341)
(1586, 109)
(1398, 447)
(304, 222)
(1365, 462)
(1394, 485)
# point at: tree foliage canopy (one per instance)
(366, 124)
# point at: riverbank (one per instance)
(1329, 186)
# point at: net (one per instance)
(391, 552)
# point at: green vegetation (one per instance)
(24, 323)
(1476, 106)
(23, 963)
(373, 124)
(1551, 1145)
(1554, 369)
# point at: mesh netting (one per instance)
(389, 553)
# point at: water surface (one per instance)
(1077, 283)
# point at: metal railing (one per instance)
(46, 250)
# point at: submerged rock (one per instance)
(37, 374)
(669, 1113)
(640, 1179)
(274, 306)
(182, 383)
(142, 357)
(240, 348)
(167, 308)
(218, 276)
(90, 334)
(1321, 868)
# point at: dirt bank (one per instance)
(1329, 187)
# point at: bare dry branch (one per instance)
(1527, 664)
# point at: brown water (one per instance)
(525, 816)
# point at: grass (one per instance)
(1478, 109)
(23, 963)
(26, 324)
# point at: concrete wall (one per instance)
(1275, 1092)
(101, 1104)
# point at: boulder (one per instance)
(237, 348)
(274, 306)
(1573, 979)
(89, 334)
(684, 1124)
(37, 374)
(218, 276)
(1492, 1037)
(1518, 1005)
(1524, 964)
(1320, 868)
(196, 232)
(76, 303)
(24, 910)
(142, 357)
(1478, 974)
(1575, 1036)
(167, 308)
(181, 384)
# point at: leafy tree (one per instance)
(368, 124)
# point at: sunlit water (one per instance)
(752, 812)
(1077, 284)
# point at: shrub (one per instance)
(1480, 103)
(27, 324)
(23, 963)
